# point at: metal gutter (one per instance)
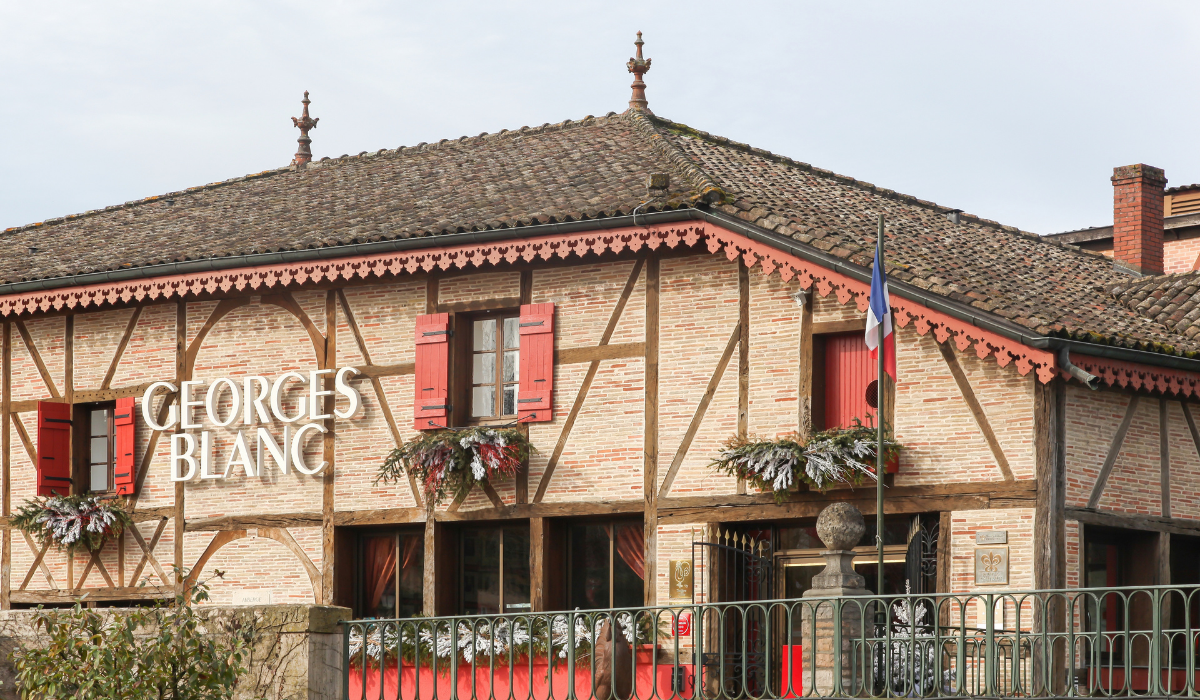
(962, 312)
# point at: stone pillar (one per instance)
(840, 527)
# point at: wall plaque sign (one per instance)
(257, 597)
(991, 537)
(991, 566)
(681, 579)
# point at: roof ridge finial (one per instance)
(639, 67)
(304, 123)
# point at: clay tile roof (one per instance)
(1172, 300)
(597, 167)
(1049, 287)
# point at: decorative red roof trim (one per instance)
(1132, 375)
(944, 326)
(563, 246)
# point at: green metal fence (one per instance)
(1066, 643)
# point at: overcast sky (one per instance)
(1015, 111)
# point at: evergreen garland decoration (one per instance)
(844, 455)
(73, 522)
(451, 461)
(498, 640)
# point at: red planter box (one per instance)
(418, 684)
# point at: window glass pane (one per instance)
(895, 531)
(412, 568)
(516, 570)
(893, 576)
(512, 366)
(512, 333)
(99, 477)
(100, 422)
(484, 336)
(800, 538)
(797, 580)
(379, 576)
(510, 399)
(589, 567)
(629, 566)
(483, 401)
(481, 571)
(483, 368)
(99, 451)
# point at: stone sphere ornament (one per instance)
(840, 526)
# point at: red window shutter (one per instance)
(124, 472)
(848, 371)
(534, 395)
(54, 449)
(432, 406)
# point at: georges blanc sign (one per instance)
(255, 400)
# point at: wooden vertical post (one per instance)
(180, 494)
(1164, 457)
(522, 481)
(1163, 575)
(944, 551)
(1049, 527)
(743, 425)
(69, 360)
(328, 548)
(429, 582)
(650, 465)
(5, 443)
(1049, 536)
(537, 564)
(804, 391)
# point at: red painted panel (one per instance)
(54, 449)
(535, 393)
(124, 472)
(431, 407)
(848, 371)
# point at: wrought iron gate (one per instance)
(735, 567)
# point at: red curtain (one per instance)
(381, 567)
(411, 545)
(630, 545)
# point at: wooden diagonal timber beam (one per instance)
(94, 561)
(148, 552)
(490, 491)
(285, 300)
(37, 359)
(977, 412)
(38, 560)
(701, 409)
(148, 455)
(1114, 450)
(25, 440)
(112, 367)
(223, 308)
(282, 536)
(586, 386)
(377, 385)
(219, 540)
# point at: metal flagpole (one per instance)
(879, 393)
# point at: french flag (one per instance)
(878, 316)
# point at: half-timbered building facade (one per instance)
(632, 292)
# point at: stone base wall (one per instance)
(297, 653)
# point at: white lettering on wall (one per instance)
(148, 407)
(180, 454)
(259, 401)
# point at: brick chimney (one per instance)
(1138, 218)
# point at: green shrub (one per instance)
(166, 652)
